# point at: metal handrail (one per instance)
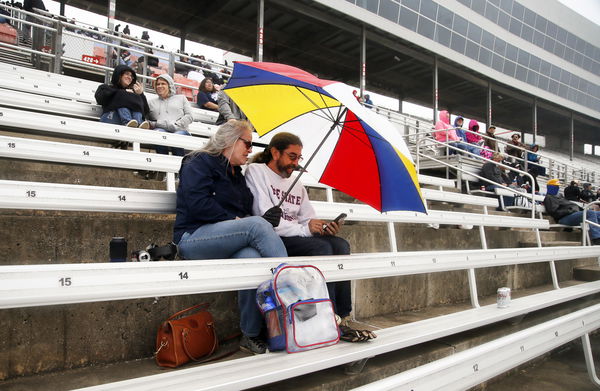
(448, 146)
(585, 222)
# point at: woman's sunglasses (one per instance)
(247, 143)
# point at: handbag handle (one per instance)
(203, 305)
(212, 350)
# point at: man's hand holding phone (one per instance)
(334, 227)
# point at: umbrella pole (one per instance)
(335, 123)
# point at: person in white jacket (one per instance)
(268, 178)
(169, 112)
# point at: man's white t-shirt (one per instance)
(269, 188)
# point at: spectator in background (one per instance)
(445, 133)
(29, 6)
(169, 112)
(214, 216)
(572, 192)
(460, 132)
(494, 173)
(228, 110)
(534, 168)
(358, 98)
(208, 95)
(123, 101)
(491, 141)
(145, 35)
(126, 30)
(368, 101)
(474, 138)
(515, 141)
(587, 194)
(568, 213)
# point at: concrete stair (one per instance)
(334, 378)
(587, 273)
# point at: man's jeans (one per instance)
(121, 116)
(577, 217)
(250, 237)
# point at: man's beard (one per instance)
(283, 169)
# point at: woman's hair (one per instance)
(280, 142)
(224, 137)
(203, 84)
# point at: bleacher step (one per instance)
(586, 273)
(335, 378)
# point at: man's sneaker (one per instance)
(253, 345)
(132, 123)
(145, 125)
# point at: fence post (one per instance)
(171, 64)
(58, 48)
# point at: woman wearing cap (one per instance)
(490, 140)
(169, 112)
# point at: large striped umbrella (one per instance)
(351, 148)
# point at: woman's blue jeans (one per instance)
(577, 218)
(249, 237)
(121, 116)
(174, 150)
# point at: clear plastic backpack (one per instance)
(297, 309)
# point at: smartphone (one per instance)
(340, 219)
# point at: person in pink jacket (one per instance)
(444, 132)
(471, 137)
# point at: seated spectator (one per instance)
(515, 141)
(169, 112)
(572, 192)
(458, 128)
(445, 133)
(358, 98)
(268, 178)
(587, 194)
(494, 173)
(214, 216)
(473, 138)
(491, 141)
(123, 101)
(208, 95)
(566, 212)
(533, 167)
(368, 101)
(460, 132)
(228, 110)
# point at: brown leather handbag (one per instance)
(189, 338)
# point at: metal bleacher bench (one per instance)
(473, 366)
(25, 83)
(33, 285)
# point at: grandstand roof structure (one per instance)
(516, 54)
